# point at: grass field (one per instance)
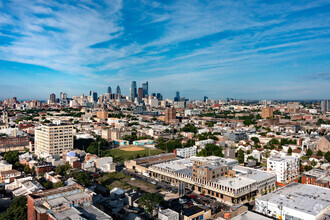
(122, 155)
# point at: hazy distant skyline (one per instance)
(240, 49)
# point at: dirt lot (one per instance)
(131, 148)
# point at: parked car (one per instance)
(201, 194)
(193, 196)
(153, 182)
(132, 179)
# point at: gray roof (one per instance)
(248, 215)
(305, 198)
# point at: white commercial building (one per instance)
(186, 152)
(296, 201)
(53, 139)
(190, 112)
(286, 168)
(168, 214)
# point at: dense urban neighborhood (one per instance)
(140, 156)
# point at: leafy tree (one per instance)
(327, 156)
(58, 184)
(48, 184)
(17, 209)
(274, 141)
(189, 143)
(170, 145)
(309, 152)
(211, 149)
(83, 178)
(308, 168)
(240, 156)
(290, 151)
(248, 122)
(11, 157)
(319, 153)
(62, 169)
(27, 169)
(93, 148)
(149, 201)
(189, 128)
(314, 163)
(255, 140)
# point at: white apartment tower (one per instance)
(53, 139)
(286, 168)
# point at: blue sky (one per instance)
(240, 49)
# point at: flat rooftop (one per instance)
(302, 197)
(248, 215)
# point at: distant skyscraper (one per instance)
(93, 95)
(159, 96)
(177, 97)
(63, 95)
(325, 106)
(52, 98)
(140, 93)
(132, 91)
(145, 89)
(205, 97)
(118, 93)
(109, 89)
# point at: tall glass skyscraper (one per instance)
(132, 91)
(118, 92)
(177, 97)
(109, 89)
(145, 89)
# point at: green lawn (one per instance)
(121, 155)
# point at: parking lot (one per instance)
(175, 201)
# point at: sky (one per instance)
(240, 49)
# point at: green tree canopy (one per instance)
(11, 157)
(189, 128)
(327, 156)
(17, 209)
(255, 140)
(319, 153)
(240, 156)
(150, 200)
(309, 152)
(211, 149)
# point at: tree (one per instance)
(83, 178)
(319, 153)
(327, 156)
(27, 169)
(48, 185)
(240, 156)
(309, 152)
(314, 163)
(189, 128)
(62, 169)
(274, 141)
(11, 157)
(211, 149)
(308, 168)
(255, 140)
(149, 201)
(58, 184)
(189, 143)
(17, 209)
(290, 151)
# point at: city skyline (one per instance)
(245, 50)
